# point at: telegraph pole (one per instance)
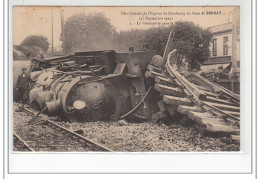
(62, 30)
(52, 31)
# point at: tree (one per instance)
(92, 32)
(192, 42)
(36, 40)
(157, 38)
(30, 51)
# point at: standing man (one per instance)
(23, 86)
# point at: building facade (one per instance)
(225, 49)
(221, 46)
(225, 46)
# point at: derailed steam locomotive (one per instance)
(92, 86)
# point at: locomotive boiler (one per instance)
(92, 86)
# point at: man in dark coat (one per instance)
(23, 86)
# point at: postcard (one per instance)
(126, 81)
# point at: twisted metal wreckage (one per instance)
(105, 85)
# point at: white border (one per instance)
(147, 162)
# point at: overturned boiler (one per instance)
(92, 86)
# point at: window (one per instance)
(214, 47)
(225, 45)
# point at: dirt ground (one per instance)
(139, 137)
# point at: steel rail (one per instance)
(95, 144)
(24, 143)
(222, 89)
(99, 146)
(195, 99)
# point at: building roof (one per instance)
(221, 28)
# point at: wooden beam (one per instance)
(206, 121)
(152, 74)
(171, 100)
(234, 139)
(120, 68)
(204, 118)
(237, 114)
(166, 90)
(165, 81)
(153, 68)
(220, 101)
(224, 107)
(222, 128)
(185, 109)
(220, 113)
(192, 115)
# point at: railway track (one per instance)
(214, 108)
(20, 145)
(46, 135)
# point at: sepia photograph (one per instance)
(125, 79)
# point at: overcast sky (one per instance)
(37, 20)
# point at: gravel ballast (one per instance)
(124, 136)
